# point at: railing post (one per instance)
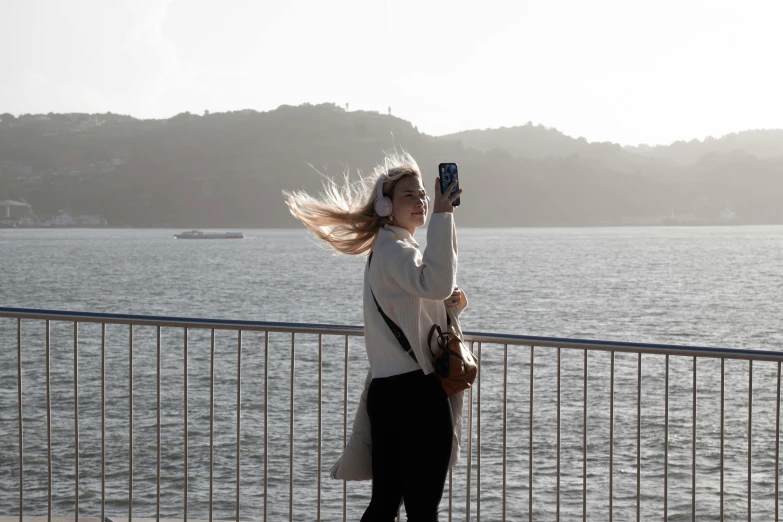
(103, 421)
(750, 437)
(130, 423)
(557, 494)
(478, 439)
(157, 423)
(345, 430)
(48, 424)
(530, 443)
(185, 418)
(693, 449)
(211, 415)
(722, 413)
(291, 435)
(266, 420)
(666, 446)
(76, 415)
(470, 447)
(638, 434)
(777, 444)
(19, 405)
(584, 447)
(239, 414)
(320, 400)
(611, 435)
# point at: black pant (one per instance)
(410, 422)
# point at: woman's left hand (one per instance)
(455, 298)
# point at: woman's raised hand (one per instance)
(443, 202)
(454, 299)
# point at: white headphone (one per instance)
(383, 204)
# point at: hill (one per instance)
(228, 169)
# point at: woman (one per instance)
(414, 427)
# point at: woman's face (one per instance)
(409, 203)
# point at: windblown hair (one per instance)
(344, 216)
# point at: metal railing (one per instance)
(548, 372)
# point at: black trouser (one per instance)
(410, 422)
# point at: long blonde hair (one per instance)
(344, 216)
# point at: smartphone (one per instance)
(449, 173)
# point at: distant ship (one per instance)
(198, 234)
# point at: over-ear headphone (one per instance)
(383, 204)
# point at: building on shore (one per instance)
(15, 214)
(66, 219)
(10, 209)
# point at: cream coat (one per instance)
(410, 287)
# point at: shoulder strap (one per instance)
(396, 330)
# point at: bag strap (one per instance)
(396, 330)
(443, 338)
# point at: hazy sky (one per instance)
(628, 71)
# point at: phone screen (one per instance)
(449, 173)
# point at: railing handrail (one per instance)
(179, 322)
(626, 347)
(352, 330)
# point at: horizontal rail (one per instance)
(332, 329)
(180, 322)
(627, 347)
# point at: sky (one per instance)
(626, 71)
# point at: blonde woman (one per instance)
(414, 427)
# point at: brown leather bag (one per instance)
(455, 365)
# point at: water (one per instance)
(699, 286)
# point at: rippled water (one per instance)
(698, 286)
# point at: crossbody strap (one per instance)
(396, 330)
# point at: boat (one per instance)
(198, 234)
